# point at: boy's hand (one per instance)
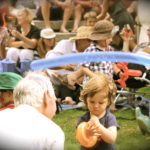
(94, 120)
(93, 127)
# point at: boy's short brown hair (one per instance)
(97, 84)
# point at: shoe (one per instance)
(144, 124)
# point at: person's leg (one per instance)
(26, 54)
(13, 54)
(2, 52)
(67, 14)
(45, 9)
(77, 17)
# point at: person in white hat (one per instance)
(46, 42)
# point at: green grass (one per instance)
(129, 135)
(145, 90)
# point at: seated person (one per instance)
(8, 81)
(46, 42)
(23, 44)
(142, 49)
(118, 12)
(53, 10)
(83, 6)
(66, 91)
(90, 18)
(101, 38)
(3, 38)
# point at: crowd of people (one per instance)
(108, 26)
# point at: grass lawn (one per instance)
(129, 135)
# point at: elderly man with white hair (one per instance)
(29, 125)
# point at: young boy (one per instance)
(101, 37)
(98, 94)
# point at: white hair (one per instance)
(31, 89)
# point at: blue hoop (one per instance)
(90, 57)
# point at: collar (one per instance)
(8, 105)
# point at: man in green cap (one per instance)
(8, 81)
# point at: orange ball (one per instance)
(83, 138)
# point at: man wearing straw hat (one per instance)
(8, 81)
(75, 44)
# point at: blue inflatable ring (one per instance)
(85, 57)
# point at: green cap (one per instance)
(8, 80)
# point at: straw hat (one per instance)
(83, 32)
(102, 30)
(8, 80)
(47, 33)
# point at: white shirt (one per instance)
(63, 47)
(24, 128)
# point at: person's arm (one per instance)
(105, 7)
(59, 50)
(128, 40)
(15, 44)
(78, 74)
(126, 46)
(66, 67)
(117, 71)
(109, 134)
(28, 43)
(88, 72)
(3, 43)
(132, 7)
(2, 51)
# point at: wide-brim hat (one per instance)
(100, 36)
(8, 80)
(83, 32)
(102, 30)
(47, 33)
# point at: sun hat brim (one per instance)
(83, 32)
(48, 37)
(78, 38)
(97, 36)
